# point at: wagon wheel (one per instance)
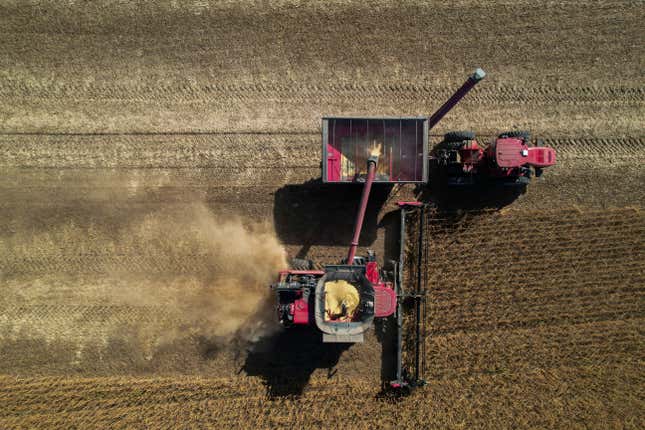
(458, 136)
(456, 139)
(301, 264)
(524, 135)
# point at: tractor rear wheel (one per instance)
(458, 136)
(524, 135)
(523, 181)
(301, 264)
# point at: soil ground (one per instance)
(118, 120)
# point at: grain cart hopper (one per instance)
(342, 300)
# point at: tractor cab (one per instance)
(509, 152)
(541, 156)
(516, 151)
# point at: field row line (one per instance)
(556, 344)
(555, 257)
(298, 90)
(474, 223)
(140, 157)
(485, 325)
(517, 279)
(538, 305)
(597, 283)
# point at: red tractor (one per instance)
(509, 160)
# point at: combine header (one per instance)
(342, 300)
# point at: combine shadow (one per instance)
(286, 360)
(315, 213)
(386, 335)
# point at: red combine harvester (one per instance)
(342, 300)
(509, 160)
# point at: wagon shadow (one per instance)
(315, 213)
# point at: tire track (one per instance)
(298, 92)
(85, 314)
(217, 151)
(118, 393)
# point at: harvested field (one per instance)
(555, 288)
(561, 397)
(131, 134)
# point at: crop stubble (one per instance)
(114, 123)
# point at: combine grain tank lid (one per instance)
(401, 144)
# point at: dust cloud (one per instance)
(236, 301)
(118, 269)
(228, 297)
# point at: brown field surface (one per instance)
(156, 157)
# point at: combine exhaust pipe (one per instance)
(472, 80)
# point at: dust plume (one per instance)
(145, 276)
(236, 300)
(214, 280)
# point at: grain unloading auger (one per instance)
(342, 300)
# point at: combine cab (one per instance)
(341, 301)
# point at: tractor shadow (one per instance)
(480, 196)
(315, 213)
(447, 199)
(286, 360)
